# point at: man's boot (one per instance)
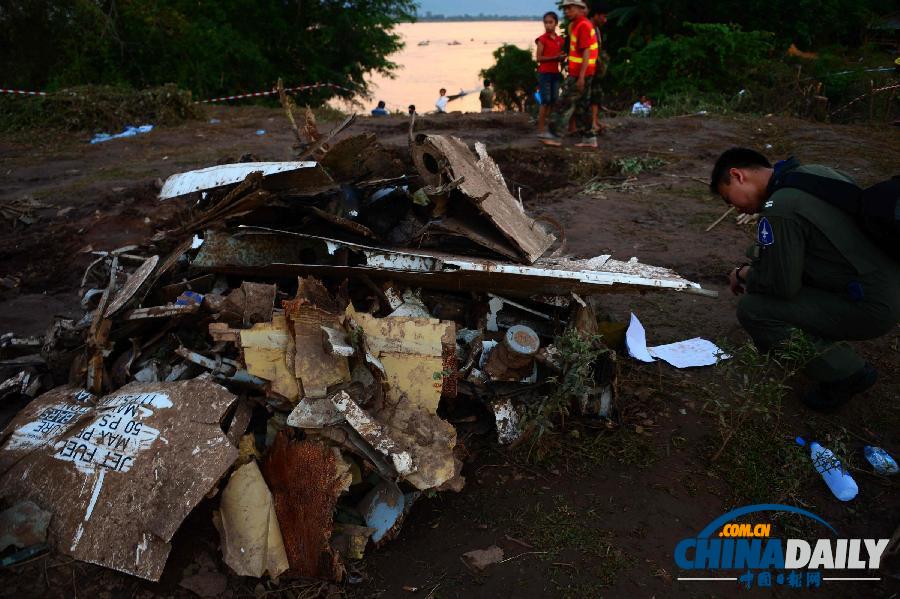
(828, 396)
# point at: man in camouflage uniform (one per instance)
(812, 270)
(575, 93)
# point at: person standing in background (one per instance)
(598, 19)
(549, 57)
(575, 97)
(487, 97)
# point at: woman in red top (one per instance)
(549, 56)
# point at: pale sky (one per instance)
(488, 7)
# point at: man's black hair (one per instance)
(487, 82)
(381, 104)
(551, 14)
(735, 158)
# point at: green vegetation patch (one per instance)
(98, 108)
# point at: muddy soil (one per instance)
(570, 527)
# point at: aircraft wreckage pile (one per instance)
(293, 348)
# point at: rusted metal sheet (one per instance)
(131, 287)
(249, 252)
(121, 476)
(305, 484)
(440, 159)
(304, 176)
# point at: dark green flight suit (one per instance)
(814, 270)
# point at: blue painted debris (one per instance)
(129, 131)
(189, 298)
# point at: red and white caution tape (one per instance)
(274, 91)
(20, 92)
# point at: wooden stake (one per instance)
(721, 218)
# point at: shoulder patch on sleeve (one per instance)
(764, 234)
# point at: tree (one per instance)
(207, 46)
(512, 75)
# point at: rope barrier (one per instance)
(20, 92)
(273, 92)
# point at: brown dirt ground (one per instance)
(580, 530)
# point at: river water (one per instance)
(424, 69)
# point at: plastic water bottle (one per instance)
(838, 480)
(881, 460)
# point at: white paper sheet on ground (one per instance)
(636, 341)
(682, 354)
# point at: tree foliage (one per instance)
(206, 46)
(711, 57)
(512, 75)
(810, 24)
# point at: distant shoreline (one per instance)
(466, 18)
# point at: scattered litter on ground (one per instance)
(293, 347)
(881, 461)
(23, 525)
(479, 559)
(129, 131)
(839, 481)
(682, 354)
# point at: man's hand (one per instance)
(580, 84)
(737, 279)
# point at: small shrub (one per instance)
(512, 75)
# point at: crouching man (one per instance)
(812, 270)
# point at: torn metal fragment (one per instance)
(350, 540)
(121, 477)
(440, 159)
(314, 413)
(23, 525)
(277, 176)
(418, 443)
(254, 302)
(382, 509)
(305, 484)
(167, 311)
(413, 353)
(507, 418)
(374, 432)
(267, 252)
(252, 544)
(336, 342)
(269, 354)
(131, 287)
(316, 369)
